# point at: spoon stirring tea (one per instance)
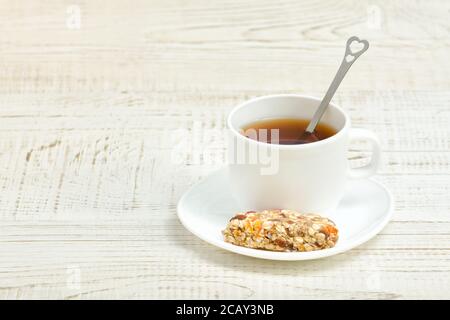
(350, 56)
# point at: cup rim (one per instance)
(311, 145)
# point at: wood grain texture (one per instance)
(97, 125)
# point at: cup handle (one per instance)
(371, 168)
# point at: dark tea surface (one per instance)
(291, 130)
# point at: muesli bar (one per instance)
(281, 230)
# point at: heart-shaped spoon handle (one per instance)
(349, 57)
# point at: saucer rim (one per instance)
(287, 256)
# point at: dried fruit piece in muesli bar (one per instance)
(281, 230)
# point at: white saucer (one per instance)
(206, 208)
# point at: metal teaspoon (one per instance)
(349, 58)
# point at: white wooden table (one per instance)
(95, 98)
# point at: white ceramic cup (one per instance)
(308, 177)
